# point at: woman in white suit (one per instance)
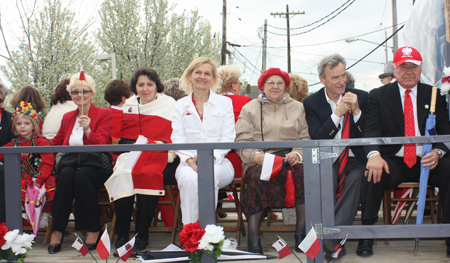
(202, 116)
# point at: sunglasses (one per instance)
(76, 92)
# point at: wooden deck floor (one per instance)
(430, 250)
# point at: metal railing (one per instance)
(317, 165)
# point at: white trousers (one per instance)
(187, 180)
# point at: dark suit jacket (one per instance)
(320, 124)
(101, 124)
(6, 135)
(384, 116)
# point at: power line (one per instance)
(315, 21)
(307, 31)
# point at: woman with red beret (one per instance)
(273, 116)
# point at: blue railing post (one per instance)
(13, 193)
(206, 193)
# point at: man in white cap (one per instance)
(388, 74)
(396, 110)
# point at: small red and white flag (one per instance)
(104, 245)
(338, 248)
(80, 246)
(126, 250)
(82, 77)
(271, 166)
(282, 248)
(403, 193)
(310, 245)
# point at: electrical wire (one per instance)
(307, 31)
(315, 21)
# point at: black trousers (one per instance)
(372, 194)
(145, 210)
(81, 184)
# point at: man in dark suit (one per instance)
(325, 113)
(396, 110)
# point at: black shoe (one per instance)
(222, 215)
(91, 246)
(122, 239)
(140, 244)
(53, 249)
(329, 254)
(254, 246)
(364, 248)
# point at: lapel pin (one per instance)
(427, 106)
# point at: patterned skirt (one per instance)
(262, 195)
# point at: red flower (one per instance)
(190, 236)
(3, 231)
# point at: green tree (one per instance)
(150, 33)
(51, 48)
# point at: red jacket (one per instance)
(101, 124)
(238, 102)
(47, 159)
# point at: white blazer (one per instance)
(217, 125)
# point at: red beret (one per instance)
(270, 72)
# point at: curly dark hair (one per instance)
(151, 74)
(115, 90)
(61, 94)
(31, 95)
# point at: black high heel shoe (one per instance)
(55, 248)
(254, 246)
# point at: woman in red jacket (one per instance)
(81, 175)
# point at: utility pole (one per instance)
(287, 14)
(394, 26)
(264, 46)
(224, 33)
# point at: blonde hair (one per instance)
(186, 84)
(33, 121)
(227, 75)
(75, 80)
(298, 90)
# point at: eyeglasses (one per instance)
(76, 92)
(270, 84)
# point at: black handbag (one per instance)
(100, 160)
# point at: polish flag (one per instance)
(271, 166)
(338, 248)
(80, 246)
(104, 245)
(310, 245)
(282, 248)
(126, 250)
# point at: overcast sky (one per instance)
(362, 20)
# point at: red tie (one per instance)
(409, 155)
(343, 158)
